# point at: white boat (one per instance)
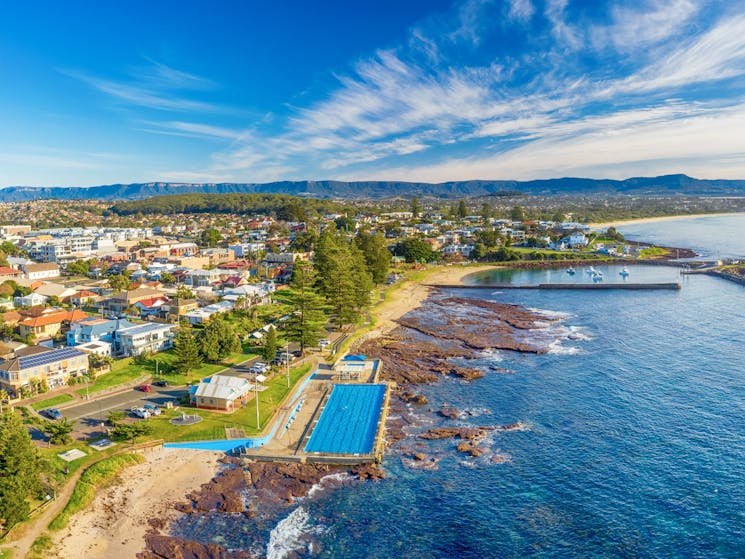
(597, 276)
(570, 271)
(625, 272)
(591, 271)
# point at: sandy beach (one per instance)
(116, 522)
(655, 219)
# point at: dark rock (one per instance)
(468, 448)
(166, 547)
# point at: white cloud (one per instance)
(521, 10)
(709, 143)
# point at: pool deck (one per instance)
(299, 418)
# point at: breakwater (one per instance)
(581, 286)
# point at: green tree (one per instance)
(517, 214)
(462, 209)
(79, 267)
(414, 250)
(183, 292)
(186, 350)
(58, 431)
(4, 398)
(307, 321)
(486, 211)
(131, 431)
(20, 466)
(479, 251)
(343, 278)
(119, 283)
(167, 278)
(271, 345)
(416, 208)
(115, 416)
(376, 253)
(218, 339)
(210, 237)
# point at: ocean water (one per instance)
(711, 236)
(634, 443)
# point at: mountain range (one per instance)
(667, 185)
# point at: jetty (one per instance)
(581, 286)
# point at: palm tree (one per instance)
(4, 396)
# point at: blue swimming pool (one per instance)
(349, 420)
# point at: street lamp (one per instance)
(256, 397)
(287, 360)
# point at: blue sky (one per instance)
(431, 90)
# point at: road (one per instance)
(96, 410)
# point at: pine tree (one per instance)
(377, 255)
(306, 324)
(271, 345)
(186, 349)
(219, 340)
(20, 466)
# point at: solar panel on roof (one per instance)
(47, 357)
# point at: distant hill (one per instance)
(664, 185)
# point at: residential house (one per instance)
(220, 392)
(178, 308)
(42, 271)
(30, 300)
(9, 274)
(576, 240)
(51, 289)
(152, 306)
(49, 323)
(102, 349)
(94, 329)
(84, 298)
(144, 338)
(117, 304)
(200, 316)
(35, 363)
(202, 278)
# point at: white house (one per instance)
(144, 338)
(30, 300)
(45, 270)
(576, 240)
(221, 393)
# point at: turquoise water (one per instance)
(711, 237)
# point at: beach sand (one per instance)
(116, 522)
(655, 219)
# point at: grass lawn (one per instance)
(213, 423)
(126, 370)
(97, 476)
(651, 252)
(51, 402)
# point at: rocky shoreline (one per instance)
(419, 351)
(245, 491)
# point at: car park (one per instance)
(144, 388)
(52, 413)
(152, 409)
(142, 413)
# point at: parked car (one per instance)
(160, 383)
(261, 367)
(142, 413)
(144, 388)
(323, 343)
(52, 413)
(152, 408)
